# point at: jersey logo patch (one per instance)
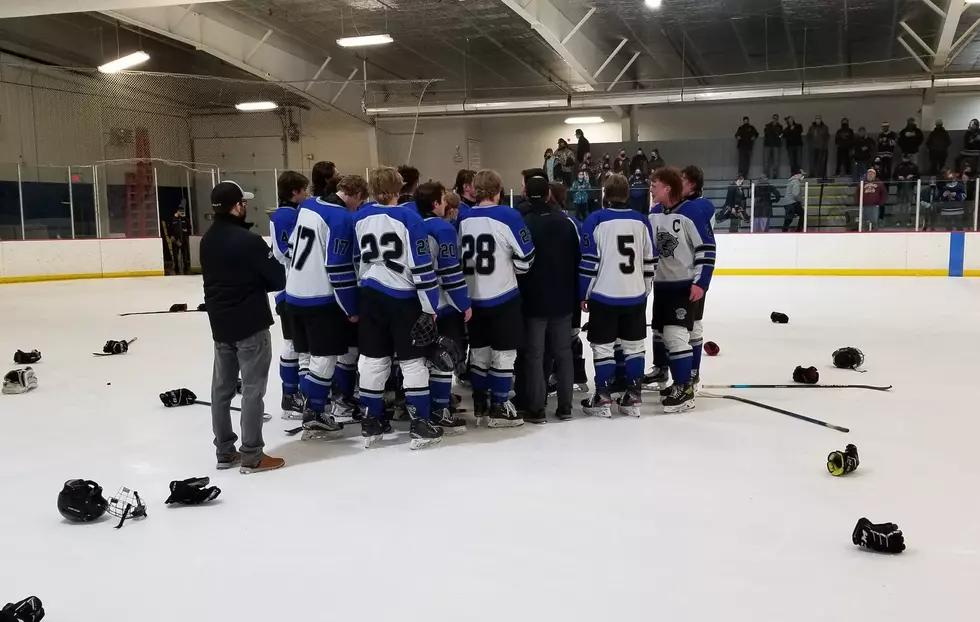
(666, 244)
(681, 314)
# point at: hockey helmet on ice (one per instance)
(445, 354)
(81, 501)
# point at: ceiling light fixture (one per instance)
(655, 4)
(583, 120)
(353, 42)
(130, 60)
(256, 106)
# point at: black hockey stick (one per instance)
(797, 386)
(128, 343)
(293, 431)
(162, 312)
(266, 416)
(778, 410)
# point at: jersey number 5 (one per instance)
(389, 250)
(481, 249)
(624, 244)
(303, 235)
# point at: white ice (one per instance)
(723, 513)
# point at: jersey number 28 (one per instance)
(478, 254)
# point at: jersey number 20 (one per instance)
(481, 249)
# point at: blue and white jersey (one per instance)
(685, 242)
(444, 250)
(281, 225)
(619, 259)
(410, 205)
(495, 247)
(392, 253)
(322, 267)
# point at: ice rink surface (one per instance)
(723, 513)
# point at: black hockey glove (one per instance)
(193, 491)
(883, 537)
(27, 358)
(806, 375)
(202, 307)
(178, 397)
(779, 318)
(177, 307)
(843, 462)
(28, 610)
(115, 347)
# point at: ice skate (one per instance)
(630, 401)
(320, 426)
(619, 385)
(680, 398)
(293, 405)
(448, 422)
(657, 380)
(424, 434)
(504, 415)
(346, 411)
(599, 404)
(372, 430)
(481, 407)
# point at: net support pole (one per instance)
(214, 182)
(95, 200)
(190, 201)
(861, 207)
(71, 204)
(752, 208)
(156, 190)
(976, 202)
(275, 178)
(806, 203)
(918, 200)
(20, 199)
(512, 197)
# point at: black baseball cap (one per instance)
(537, 187)
(227, 194)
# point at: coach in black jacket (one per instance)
(549, 297)
(239, 271)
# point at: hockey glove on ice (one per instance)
(28, 610)
(843, 462)
(806, 375)
(115, 347)
(178, 307)
(178, 397)
(883, 537)
(192, 491)
(27, 358)
(19, 381)
(779, 318)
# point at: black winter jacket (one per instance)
(550, 288)
(910, 139)
(239, 271)
(793, 135)
(938, 140)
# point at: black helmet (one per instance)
(444, 354)
(81, 501)
(848, 358)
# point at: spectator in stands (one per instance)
(766, 196)
(464, 187)
(580, 194)
(621, 164)
(745, 137)
(818, 137)
(566, 158)
(640, 162)
(971, 145)
(968, 177)
(594, 170)
(772, 142)
(794, 194)
(639, 192)
(938, 145)
(735, 202)
(864, 147)
(793, 134)
(887, 142)
(844, 139)
(410, 182)
(606, 160)
(906, 173)
(951, 197)
(875, 194)
(605, 174)
(549, 164)
(910, 140)
(656, 161)
(584, 147)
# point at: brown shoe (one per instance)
(228, 463)
(266, 463)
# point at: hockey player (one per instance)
(495, 247)
(322, 297)
(397, 287)
(615, 277)
(351, 194)
(686, 247)
(410, 183)
(292, 189)
(454, 300)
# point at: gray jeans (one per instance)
(556, 335)
(252, 357)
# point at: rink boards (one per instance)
(810, 254)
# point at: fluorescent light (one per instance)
(973, 1)
(254, 106)
(353, 42)
(583, 120)
(125, 62)
(655, 4)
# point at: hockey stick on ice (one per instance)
(797, 386)
(265, 416)
(774, 409)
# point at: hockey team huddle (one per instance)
(369, 262)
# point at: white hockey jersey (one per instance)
(321, 248)
(619, 259)
(685, 242)
(495, 247)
